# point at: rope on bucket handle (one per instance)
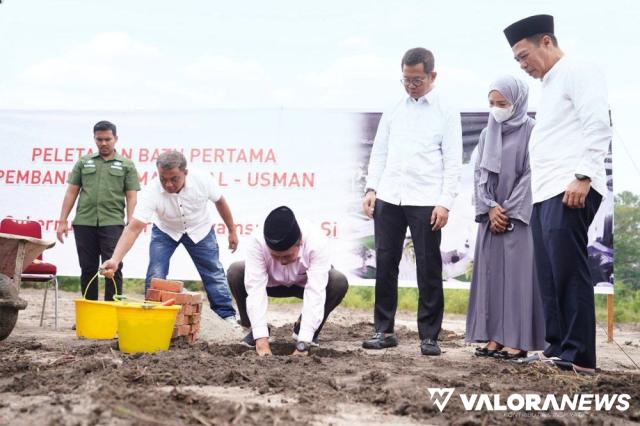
(120, 297)
(145, 304)
(113, 281)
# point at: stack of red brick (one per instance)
(188, 319)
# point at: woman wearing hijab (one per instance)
(505, 308)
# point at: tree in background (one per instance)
(627, 239)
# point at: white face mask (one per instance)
(501, 114)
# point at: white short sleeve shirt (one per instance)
(187, 212)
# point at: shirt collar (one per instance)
(555, 69)
(117, 157)
(428, 98)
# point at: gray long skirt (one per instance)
(504, 302)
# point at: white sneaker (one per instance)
(313, 343)
(232, 321)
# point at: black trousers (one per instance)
(95, 244)
(337, 287)
(390, 222)
(560, 243)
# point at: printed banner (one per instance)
(313, 161)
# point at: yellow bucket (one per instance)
(145, 327)
(96, 319)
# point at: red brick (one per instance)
(154, 295)
(192, 319)
(180, 298)
(160, 284)
(187, 310)
(183, 298)
(180, 319)
(166, 295)
(181, 330)
(186, 338)
(195, 297)
(195, 328)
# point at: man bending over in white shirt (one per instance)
(286, 262)
(179, 198)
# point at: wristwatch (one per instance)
(303, 346)
(582, 177)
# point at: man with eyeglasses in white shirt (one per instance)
(413, 176)
(567, 153)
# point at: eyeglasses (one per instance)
(415, 81)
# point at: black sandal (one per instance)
(509, 356)
(484, 351)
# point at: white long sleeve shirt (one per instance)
(187, 212)
(572, 132)
(310, 271)
(416, 158)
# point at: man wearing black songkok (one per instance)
(567, 150)
(286, 261)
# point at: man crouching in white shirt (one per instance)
(286, 262)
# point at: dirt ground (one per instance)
(49, 376)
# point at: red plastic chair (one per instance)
(38, 271)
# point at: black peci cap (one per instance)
(527, 27)
(281, 230)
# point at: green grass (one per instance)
(626, 304)
(455, 301)
(626, 299)
(131, 285)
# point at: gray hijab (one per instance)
(517, 93)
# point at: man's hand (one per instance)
(110, 267)
(233, 240)
(368, 203)
(499, 219)
(63, 229)
(576, 193)
(298, 353)
(262, 346)
(439, 218)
